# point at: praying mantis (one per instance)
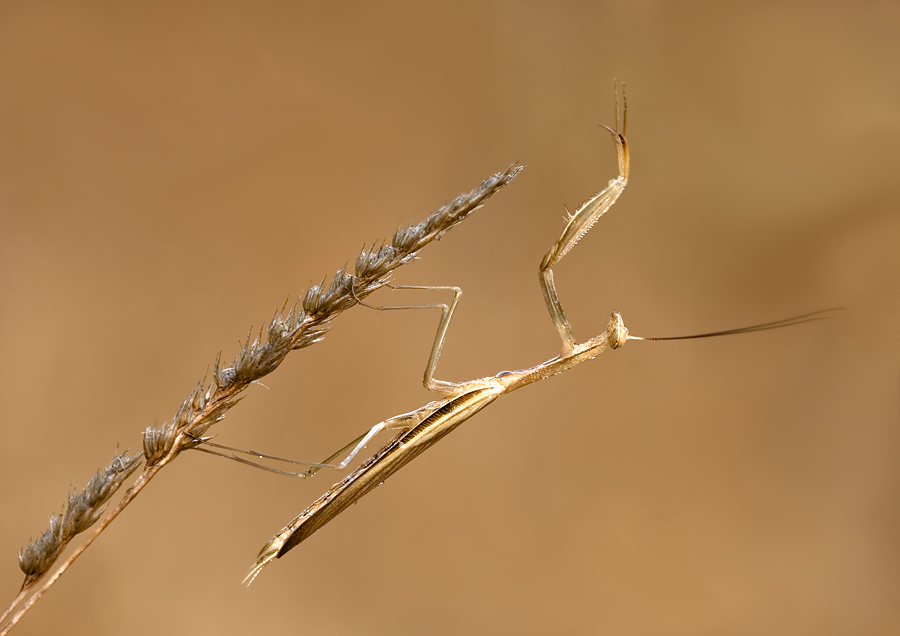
(420, 429)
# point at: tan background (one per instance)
(171, 172)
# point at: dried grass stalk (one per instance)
(303, 325)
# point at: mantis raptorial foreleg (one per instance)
(577, 226)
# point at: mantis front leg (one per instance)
(578, 225)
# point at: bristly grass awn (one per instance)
(459, 401)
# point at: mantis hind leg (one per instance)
(400, 422)
(233, 453)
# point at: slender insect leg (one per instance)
(234, 457)
(577, 226)
(438, 386)
(402, 422)
(357, 445)
(204, 445)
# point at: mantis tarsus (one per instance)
(420, 429)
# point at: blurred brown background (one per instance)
(171, 172)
